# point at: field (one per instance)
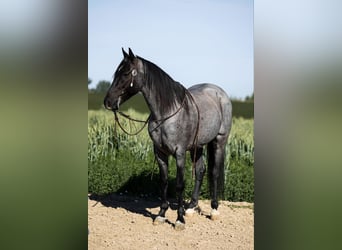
(122, 164)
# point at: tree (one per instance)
(102, 86)
(250, 98)
(89, 81)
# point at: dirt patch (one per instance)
(124, 222)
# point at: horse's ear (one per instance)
(131, 55)
(124, 53)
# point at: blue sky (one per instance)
(193, 41)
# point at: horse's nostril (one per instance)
(107, 104)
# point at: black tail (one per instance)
(221, 180)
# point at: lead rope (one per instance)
(131, 119)
(146, 121)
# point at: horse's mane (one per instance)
(169, 93)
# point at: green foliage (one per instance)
(121, 163)
(102, 87)
(243, 109)
(250, 98)
(95, 100)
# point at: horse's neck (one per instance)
(152, 95)
(151, 101)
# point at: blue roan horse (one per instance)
(181, 120)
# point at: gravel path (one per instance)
(124, 222)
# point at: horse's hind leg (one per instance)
(162, 160)
(216, 151)
(199, 173)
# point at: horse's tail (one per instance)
(221, 178)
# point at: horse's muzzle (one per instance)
(111, 105)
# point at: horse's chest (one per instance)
(166, 137)
(156, 135)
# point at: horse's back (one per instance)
(207, 88)
(210, 93)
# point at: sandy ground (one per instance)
(124, 222)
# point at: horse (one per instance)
(181, 120)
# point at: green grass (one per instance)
(121, 163)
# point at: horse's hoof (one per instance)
(159, 220)
(179, 225)
(214, 215)
(191, 211)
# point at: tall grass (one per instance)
(121, 163)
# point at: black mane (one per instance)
(169, 93)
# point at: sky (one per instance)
(205, 41)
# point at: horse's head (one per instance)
(127, 82)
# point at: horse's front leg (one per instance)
(162, 160)
(180, 162)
